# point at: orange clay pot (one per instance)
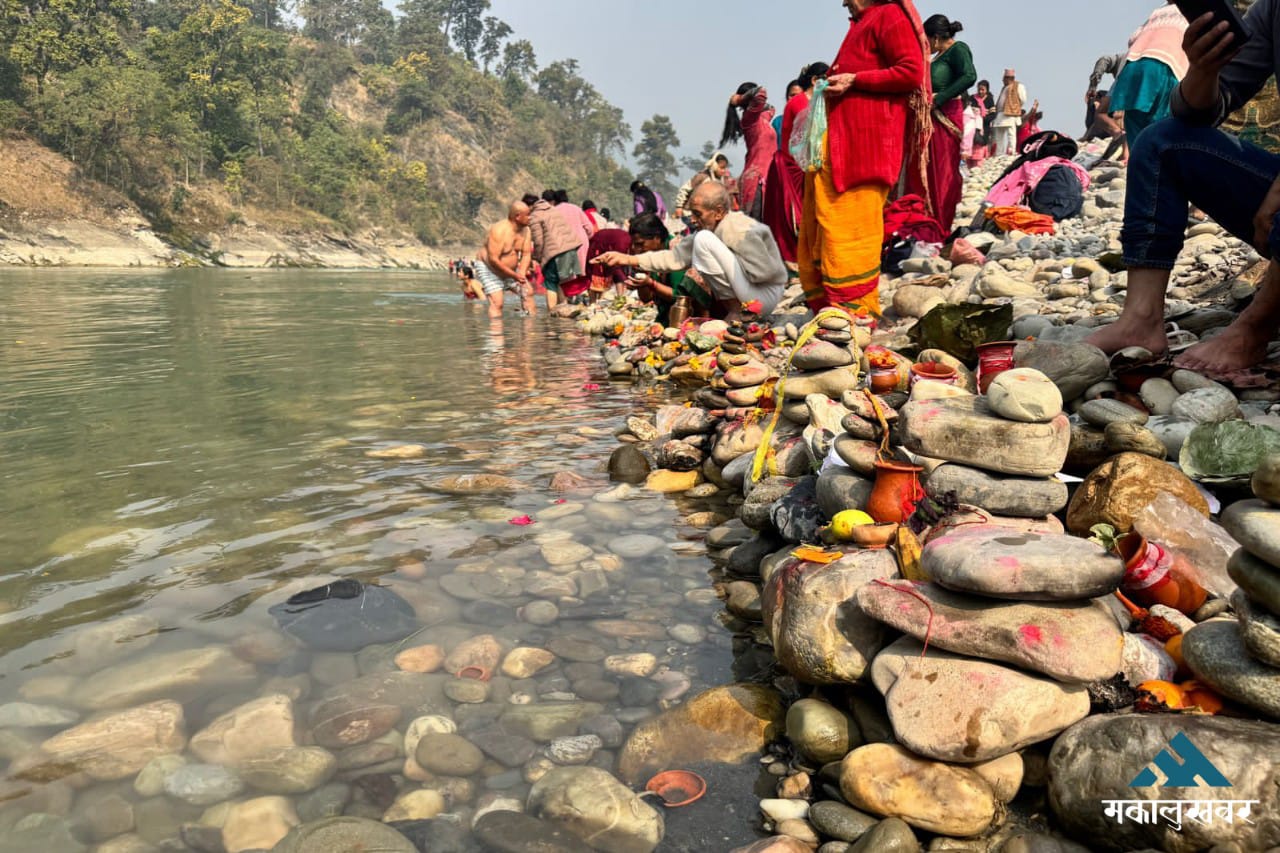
(896, 492)
(1153, 575)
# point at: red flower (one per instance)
(591, 386)
(755, 306)
(521, 521)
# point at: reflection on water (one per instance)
(185, 449)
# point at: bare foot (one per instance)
(1130, 332)
(1228, 357)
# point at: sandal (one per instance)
(1179, 339)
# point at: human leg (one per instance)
(852, 225)
(1172, 165)
(720, 269)
(493, 286)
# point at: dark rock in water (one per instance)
(513, 832)
(744, 559)
(346, 616)
(435, 836)
(797, 514)
(628, 464)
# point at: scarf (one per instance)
(920, 104)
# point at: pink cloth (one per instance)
(762, 144)
(580, 223)
(1012, 189)
(1160, 38)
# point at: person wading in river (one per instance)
(503, 261)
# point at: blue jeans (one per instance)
(1175, 164)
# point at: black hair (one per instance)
(794, 84)
(549, 195)
(648, 225)
(721, 158)
(588, 204)
(604, 211)
(562, 197)
(636, 186)
(986, 83)
(940, 26)
(732, 119)
(530, 199)
(812, 72)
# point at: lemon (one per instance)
(844, 522)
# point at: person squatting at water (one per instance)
(732, 256)
(1187, 159)
(502, 263)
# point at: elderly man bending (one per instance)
(731, 256)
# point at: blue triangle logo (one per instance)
(1181, 768)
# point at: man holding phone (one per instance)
(1185, 160)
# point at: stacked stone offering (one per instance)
(1000, 452)
(1012, 629)
(1241, 659)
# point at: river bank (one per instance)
(127, 240)
(977, 685)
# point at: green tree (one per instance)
(466, 17)
(46, 36)
(653, 152)
(496, 31)
(698, 163)
(519, 62)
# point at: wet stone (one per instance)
(512, 832)
(346, 615)
(203, 784)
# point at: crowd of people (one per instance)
(905, 115)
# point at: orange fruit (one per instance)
(1164, 691)
(1174, 649)
(1199, 696)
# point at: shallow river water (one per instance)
(183, 450)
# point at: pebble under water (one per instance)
(186, 451)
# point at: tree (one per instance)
(518, 61)
(466, 17)
(45, 36)
(653, 152)
(697, 164)
(496, 31)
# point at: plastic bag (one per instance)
(1180, 528)
(811, 153)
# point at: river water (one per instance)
(191, 447)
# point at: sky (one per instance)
(684, 58)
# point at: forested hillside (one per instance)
(333, 114)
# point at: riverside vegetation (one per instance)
(345, 120)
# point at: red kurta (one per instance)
(867, 126)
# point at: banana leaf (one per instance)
(960, 329)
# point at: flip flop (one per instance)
(1180, 340)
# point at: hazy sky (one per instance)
(684, 58)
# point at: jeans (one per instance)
(1174, 164)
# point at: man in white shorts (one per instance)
(503, 261)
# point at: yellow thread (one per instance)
(763, 451)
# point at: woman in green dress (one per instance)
(952, 74)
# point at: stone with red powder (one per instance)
(996, 562)
(1075, 642)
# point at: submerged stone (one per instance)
(346, 616)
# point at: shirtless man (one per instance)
(503, 261)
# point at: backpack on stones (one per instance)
(1046, 143)
(1058, 194)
